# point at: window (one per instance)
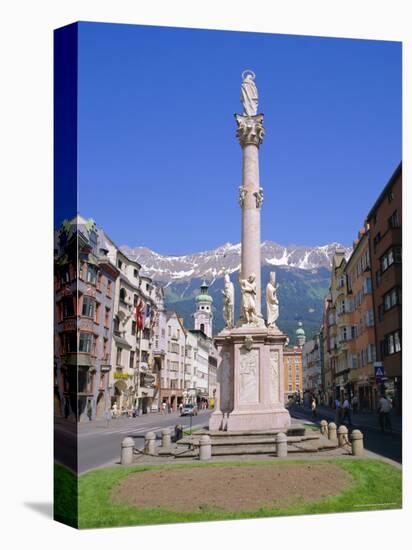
(131, 360)
(67, 307)
(367, 286)
(70, 342)
(135, 273)
(133, 328)
(392, 298)
(202, 327)
(119, 356)
(122, 295)
(105, 349)
(135, 299)
(107, 317)
(88, 306)
(369, 318)
(393, 221)
(393, 255)
(353, 332)
(371, 353)
(91, 274)
(99, 281)
(65, 275)
(392, 343)
(391, 196)
(109, 289)
(169, 330)
(376, 239)
(354, 359)
(85, 342)
(119, 264)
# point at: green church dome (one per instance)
(204, 298)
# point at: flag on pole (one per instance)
(140, 315)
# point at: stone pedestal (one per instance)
(250, 386)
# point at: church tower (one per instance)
(203, 315)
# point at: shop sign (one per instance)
(120, 375)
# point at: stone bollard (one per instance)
(126, 454)
(357, 443)
(281, 445)
(166, 438)
(324, 428)
(150, 443)
(343, 436)
(205, 448)
(332, 431)
(178, 432)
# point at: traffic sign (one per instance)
(379, 372)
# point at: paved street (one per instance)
(388, 445)
(99, 443)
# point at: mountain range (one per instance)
(303, 275)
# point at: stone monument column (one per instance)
(250, 133)
(250, 395)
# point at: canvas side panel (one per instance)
(65, 275)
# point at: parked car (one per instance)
(189, 410)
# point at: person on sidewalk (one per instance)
(355, 404)
(313, 407)
(384, 409)
(338, 412)
(346, 412)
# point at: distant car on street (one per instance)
(189, 410)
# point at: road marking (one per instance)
(131, 430)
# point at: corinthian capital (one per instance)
(250, 129)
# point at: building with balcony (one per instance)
(172, 374)
(361, 344)
(311, 369)
(133, 378)
(84, 300)
(385, 237)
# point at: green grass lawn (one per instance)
(376, 485)
(65, 505)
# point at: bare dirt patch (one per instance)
(231, 488)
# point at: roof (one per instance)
(391, 181)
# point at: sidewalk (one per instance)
(366, 419)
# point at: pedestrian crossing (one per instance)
(131, 430)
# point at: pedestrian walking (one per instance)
(346, 412)
(338, 411)
(180, 408)
(384, 409)
(163, 408)
(313, 407)
(355, 402)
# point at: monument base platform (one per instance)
(251, 420)
(250, 380)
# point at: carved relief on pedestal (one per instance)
(250, 129)
(249, 376)
(225, 382)
(274, 376)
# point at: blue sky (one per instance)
(159, 164)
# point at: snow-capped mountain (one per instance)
(209, 264)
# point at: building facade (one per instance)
(293, 368)
(84, 300)
(361, 333)
(172, 375)
(385, 227)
